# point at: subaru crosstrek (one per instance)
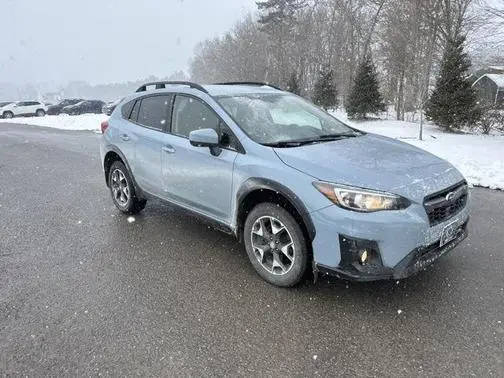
(297, 186)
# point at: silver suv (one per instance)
(297, 186)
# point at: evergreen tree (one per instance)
(453, 103)
(365, 95)
(292, 84)
(325, 92)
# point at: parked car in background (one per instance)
(24, 108)
(56, 109)
(83, 107)
(109, 107)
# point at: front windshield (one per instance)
(270, 118)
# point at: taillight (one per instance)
(104, 126)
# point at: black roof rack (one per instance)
(162, 85)
(249, 83)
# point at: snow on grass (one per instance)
(63, 121)
(480, 158)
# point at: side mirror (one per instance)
(205, 138)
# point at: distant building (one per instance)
(490, 88)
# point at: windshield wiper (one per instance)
(290, 143)
(317, 139)
(337, 136)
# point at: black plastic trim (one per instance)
(255, 83)
(111, 148)
(411, 264)
(257, 183)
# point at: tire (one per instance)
(122, 190)
(291, 262)
(40, 113)
(8, 115)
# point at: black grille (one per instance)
(443, 205)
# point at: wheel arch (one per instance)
(258, 190)
(115, 154)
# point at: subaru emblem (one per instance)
(450, 196)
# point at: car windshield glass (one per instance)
(270, 118)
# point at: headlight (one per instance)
(363, 200)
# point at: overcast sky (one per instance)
(105, 41)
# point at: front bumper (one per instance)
(414, 262)
(404, 240)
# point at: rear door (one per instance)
(192, 176)
(22, 108)
(34, 106)
(153, 119)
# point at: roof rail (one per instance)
(249, 83)
(162, 85)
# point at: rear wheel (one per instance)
(40, 113)
(123, 190)
(8, 115)
(275, 245)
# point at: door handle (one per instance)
(125, 137)
(168, 149)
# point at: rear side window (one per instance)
(191, 114)
(134, 113)
(126, 109)
(154, 112)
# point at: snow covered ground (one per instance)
(64, 121)
(479, 157)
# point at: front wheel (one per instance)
(123, 190)
(8, 115)
(275, 245)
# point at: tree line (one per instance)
(362, 54)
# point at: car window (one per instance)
(153, 111)
(192, 114)
(22, 103)
(134, 113)
(127, 108)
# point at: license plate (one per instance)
(450, 232)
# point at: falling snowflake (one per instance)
(131, 219)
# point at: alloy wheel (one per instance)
(273, 245)
(120, 187)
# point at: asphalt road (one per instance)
(85, 292)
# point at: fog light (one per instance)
(363, 256)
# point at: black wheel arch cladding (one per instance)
(108, 163)
(255, 184)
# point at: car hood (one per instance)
(374, 162)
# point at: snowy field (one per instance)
(64, 121)
(479, 157)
